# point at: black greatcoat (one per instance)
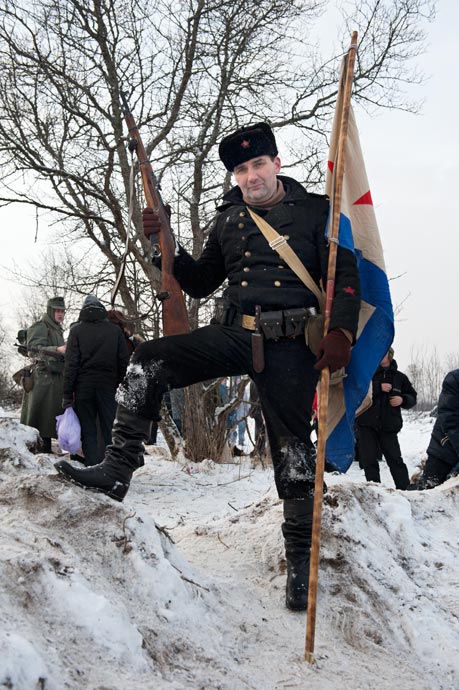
(96, 355)
(96, 359)
(236, 251)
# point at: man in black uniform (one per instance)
(237, 251)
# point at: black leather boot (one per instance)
(297, 531)
(122, 457)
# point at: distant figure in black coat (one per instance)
(443, 451)
(96, 360)
(377, 428)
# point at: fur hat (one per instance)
(56, 303)
(246, 143)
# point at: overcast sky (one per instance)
(412, 166)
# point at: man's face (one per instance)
(59, 315)
(385, 362)
(257, 178)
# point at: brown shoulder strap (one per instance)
(281, 246)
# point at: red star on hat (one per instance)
(245, 143)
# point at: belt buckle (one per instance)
(248, 322)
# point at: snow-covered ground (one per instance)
(181, 587)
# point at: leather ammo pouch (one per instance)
(295, 321)
(283, 324)
(272, 324)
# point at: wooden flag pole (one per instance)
(346, 89)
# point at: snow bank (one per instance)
(182, 586)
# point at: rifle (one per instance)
(24, 350)
(174, 314)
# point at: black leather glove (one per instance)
(334, 351)
(67, 401)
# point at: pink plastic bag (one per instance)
(69, 431)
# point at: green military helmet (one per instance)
(53, 304)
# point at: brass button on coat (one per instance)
(277, 283)
(244, 283)
(241, 226)
(242, 214)
(247, 253)
(246, 269)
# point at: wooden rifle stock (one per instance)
(174, 313)
(24, 350)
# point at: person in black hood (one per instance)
(377, 427)
(95, 363)
(259, 280)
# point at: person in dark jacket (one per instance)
(443, 451)
(95, 363)
(377, 428)
(42, 404)
(236, 251)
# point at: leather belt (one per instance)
(273, 324)
(247, 321)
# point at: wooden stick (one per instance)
(345, 89)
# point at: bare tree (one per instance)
(426, 373)
(10, 393)
(193, 71)
(452, 361)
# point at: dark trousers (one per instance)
(95, 407)
(371, 443)
(286, 389)
(436, 470)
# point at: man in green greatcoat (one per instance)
(43, 403)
